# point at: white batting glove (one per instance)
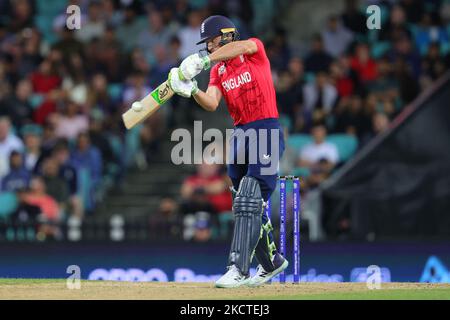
(193, 65)
(180, 87)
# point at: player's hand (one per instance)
(193, 65)
(183, 88)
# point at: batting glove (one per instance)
(193, 65)
(194, 87)
(180, 87)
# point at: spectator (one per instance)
(72, 123)
(46, 83)
(408, 86)
(86, 156)
(202, 231)
(56, 187)
(278, 50)
(94, 25)
(413, 9)
(67, 172)
(17, 106)
(31, 44)
(320, 155)
(336, 38)
(33, 156)
(111, 14)
(363, 64)
(68, 44)
(21, 16)
(99, 138)
(138, 62)
(127, 33)
(429, 32)
(404, 50)
(319, 97)
(163, 64)
(49, 209)
(136, 90)
(350, 118)
(385, 80)
(106, 55)
(380, 123)
(189, 34)
(49, 138)
(98, 96)
(353, 19)
(18, 176)
(433, 66)
(289, 92)
(9, 142)
(25, 212)
(207, 190)
(74, 83)
(169, 20)
(396, 26)
(154, 35)
(150, 137)
(166, 219)
(344, 78)
(318, 59)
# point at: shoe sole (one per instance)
(271, 275)
(228, 286)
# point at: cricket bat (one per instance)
(148, 105)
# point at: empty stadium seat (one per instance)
(9, 204)
(85, 188)
(285, 122)
(345, 143)
(115, 90)
(298, 140)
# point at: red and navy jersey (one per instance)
(246, 84)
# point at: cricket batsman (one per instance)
(242, 76)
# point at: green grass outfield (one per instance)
(99, 290)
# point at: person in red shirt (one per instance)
(242, 76)
(363, 64)
(213, 186)
(46, 83)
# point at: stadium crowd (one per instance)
(62, 91)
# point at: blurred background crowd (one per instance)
(63, 148)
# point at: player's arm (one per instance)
(234, 49)
(210, 99)
(194, 64)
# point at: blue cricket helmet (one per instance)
(217, 26)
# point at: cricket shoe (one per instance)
(232, 278)
(262, 276)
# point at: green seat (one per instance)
(85, 186)
(445, 47)
(379, 49)
(132, 144)
(116, 145)
(310, 77)
(301, 172)
(298, 141)
(346, 145)
(225, 222)
(115, 90)
(285, 122)
(8, 204)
